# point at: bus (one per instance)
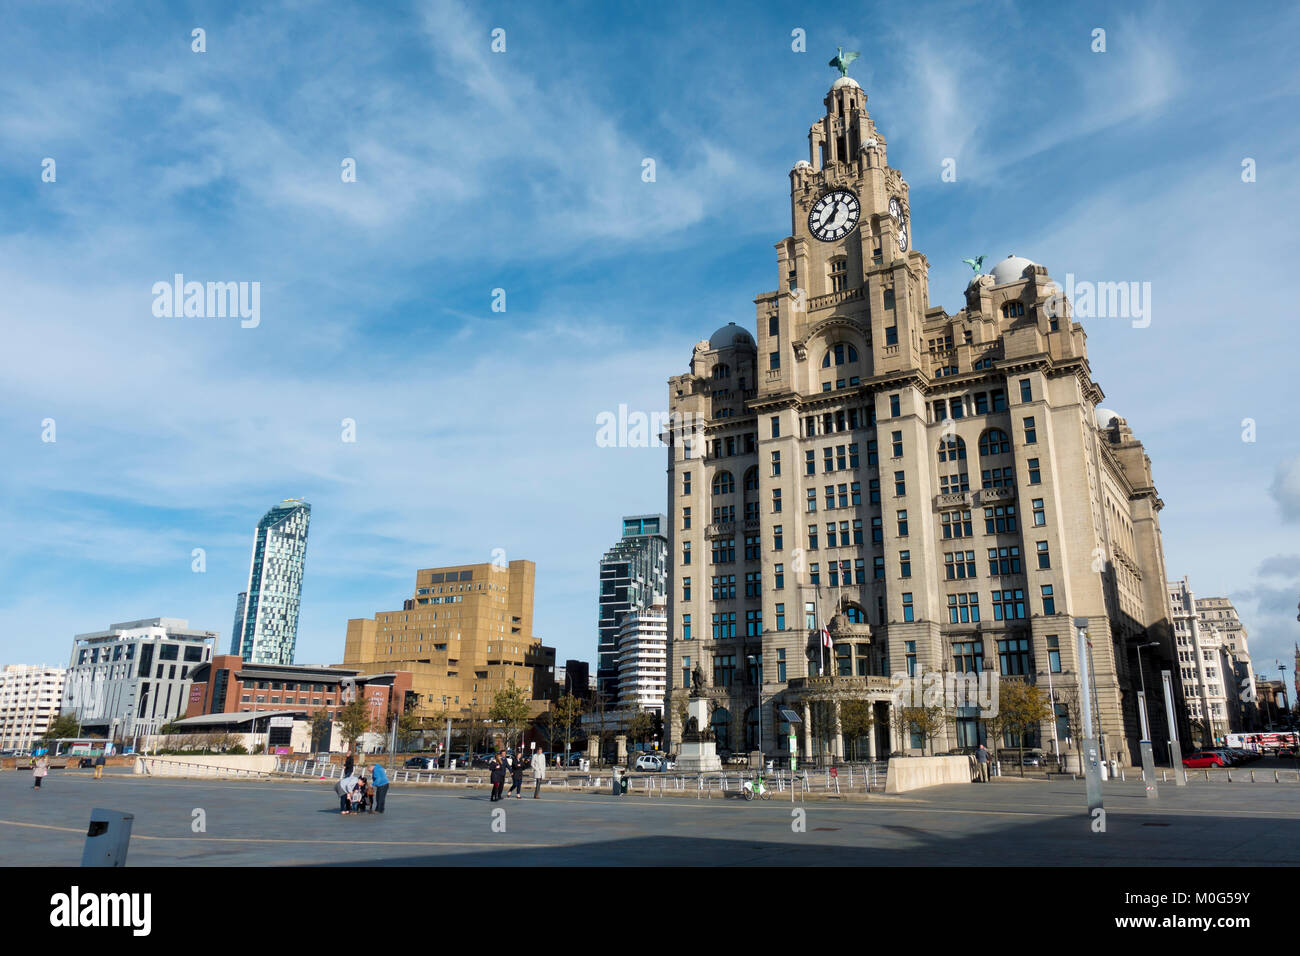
(1265, 742)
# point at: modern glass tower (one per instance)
(266, 615)
(633, 576)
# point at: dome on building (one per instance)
(729, 335)
(1010, 269)
(802, 164)
(1104, 415)
(844, 81)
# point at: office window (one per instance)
(809, 462)
(830, 497)
(900, 484)
(686, 630)
(967, 656)
(812, 500)
(1026, 393)
(778, 576)
(909, 648)
(908, 613)
(896, 439)
(878, 567)
(902, 524)
(1040, 516)
(686, 589)
(686, 519)
(905, 564)
(780, 625)
(1000, 519)
(877, 532)
(855, 492)
(1009, 605)
(956, 524)
(963, 608)
(1053, 654)
(1004, 560)
(774, 360)
(775, 422)
(724, 670)
(994, 442)
(778, 537)
(1013, 656)
(780, 654)
(1031, 433)
(686, 552)
(894, 406)
(1044, 556)
(1049, 602)
(828, 459)
(776, 500)
(686, 482)
(812, 537)
(1035, 477)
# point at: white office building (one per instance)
(643, 660)
(131, 679)
(29, 702)
(1207, 667)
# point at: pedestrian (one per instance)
(40, 767)
(380, 778)
(99, 766)
(357, 794)
(347, 766)
(539, 772)
(982, 759)
(517, 774)
(344, 789)
(497, 768)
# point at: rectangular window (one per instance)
(968, 656)
(812, 537)
(859, 571)
(773, 325)
(1031, 433)
(810, 616)
(686, 552)
(1049, 602)
(894, 406)
(830, 536)
(841, 460)
(998, 399)
(1004, 560)
(877, 532)
(1013, 656)
(686, 482)
(896, 439)
(828, 459)
(1009, 605)
(776, 464)
(812, 500)
(1040, 516)
(844, 495)
(855, 490)
(776, 426)
(778, 574)
(900, 484)
(853, 454)
(780, 654)
(1044, 556)
(878, 567)
(1035, 477)
(981, 403)
(963, 608)
(686, 628)
(776, 500)
(724, 670)
(774, 360)
(1053, 654)
(778, 537)
(1000, 519)
(686, 519)
(891, 335)
(686, 589)
(780, 621)
(872, 458)
(1026, 393)
(908, 614)
(809, 462)
(830, 497)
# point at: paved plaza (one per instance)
(297, 823)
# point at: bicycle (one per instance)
(757, 788)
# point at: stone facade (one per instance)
(943, 488)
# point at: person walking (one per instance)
(497, 766)
(99, 766)
(539, 772)
(347, 766)
(379, 777)
(982, 759)
(517, 774)
(40, 767)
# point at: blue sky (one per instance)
(522, 171)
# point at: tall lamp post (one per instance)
(1148, 759)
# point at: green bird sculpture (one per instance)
(976, 264)
(841, 60)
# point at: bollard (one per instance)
(1229, 775)
(1252, 776)
(1275, 779)
(108, 838)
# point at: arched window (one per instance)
(994, 442)
(855, 614)
(721, 725)
(723, 483)
(839, 354)
(722, 371)
(951, 448)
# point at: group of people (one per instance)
(358, 793)
(513, 764)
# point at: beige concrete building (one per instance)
(1218, 615)
(465, 634)
(942, 490)
(30, 697)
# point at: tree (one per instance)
(599, 717)
(928, 720)
(1025, 706)
(408, 728)
(64, 725)
(510, 706)
(640, 725)
(322, 726)
(354, 719)
(566, 713)
(857, 717)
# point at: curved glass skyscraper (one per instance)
(266, 615)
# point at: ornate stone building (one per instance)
(942, 491)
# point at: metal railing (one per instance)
(150, 764)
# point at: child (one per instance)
(354, 796)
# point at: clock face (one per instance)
(902, 234)
(895, 207)
(835, 215)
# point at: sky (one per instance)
(524, 170)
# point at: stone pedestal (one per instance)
(698, 752)
(620, 742)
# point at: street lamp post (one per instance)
(1148, 759)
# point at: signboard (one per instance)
(281, 722)
(196, 693)
(282, 751)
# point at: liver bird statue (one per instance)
(976, 264)
(841, 60)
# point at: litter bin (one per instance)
(616, 782)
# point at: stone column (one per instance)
(839, 733)
(871, 735)
(593, 747)
(807, 732)
(620, 741)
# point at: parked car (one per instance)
(421, 763)
(651, 762)
(1205, 758)
(576, 757)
